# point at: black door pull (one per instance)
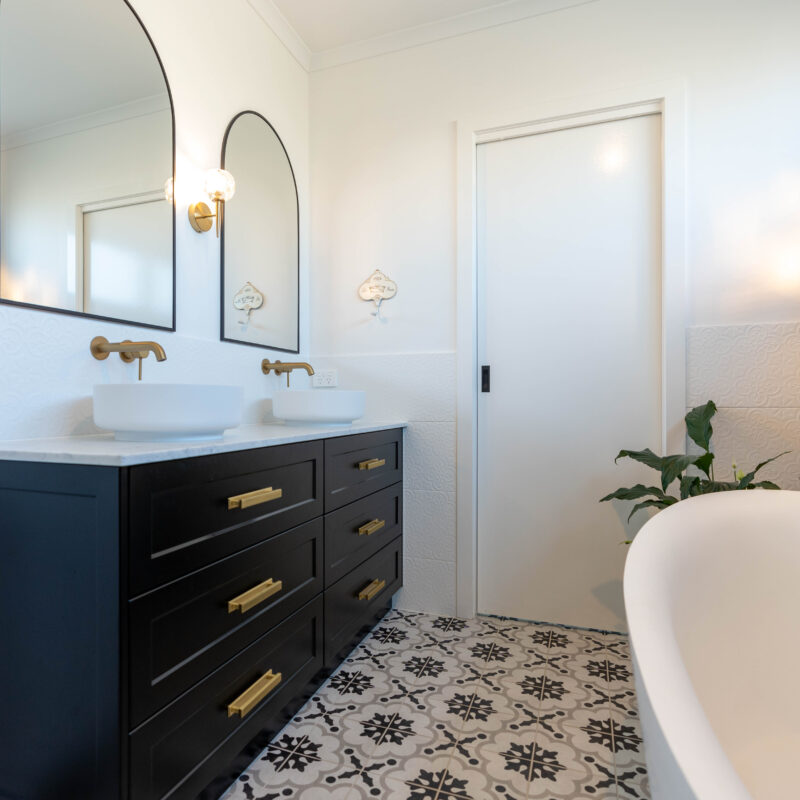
(486, 380)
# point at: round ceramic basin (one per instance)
(331, 406)
(163, 412)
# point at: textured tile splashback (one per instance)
(47, 372)
(752, 373)
(418, 387)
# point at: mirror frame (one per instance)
(72, 313)
(222, 336)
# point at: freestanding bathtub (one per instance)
(712, 593)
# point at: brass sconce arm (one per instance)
(285, 367)
(128, 351)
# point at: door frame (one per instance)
(668, 99)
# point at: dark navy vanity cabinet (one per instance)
(159, 623)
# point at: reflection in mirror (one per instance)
(260, 239)
(86, 162)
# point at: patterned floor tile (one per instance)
(389, 636)
(632, 783)
(437, 708)
(471, 708)
(383, 730)
(430, 667)
(353, 685)
(443, 778)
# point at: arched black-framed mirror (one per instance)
(260, 240)
(87, 160)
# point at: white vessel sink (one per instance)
(164, 412)
(332, 406)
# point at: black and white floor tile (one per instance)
(438, 708)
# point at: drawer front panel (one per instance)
(356, 531)
(181, 632)
(356, 466)
(182, 749)
(180, 518)
(358, 598)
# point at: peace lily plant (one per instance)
(691, 482)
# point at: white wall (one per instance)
(383, 176)
(220, 59)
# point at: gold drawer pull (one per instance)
(254, 498)
(372, 463)
(251, 697)
(372, 590)
(371, 527)
(252, 597)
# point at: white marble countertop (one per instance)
(103, 450)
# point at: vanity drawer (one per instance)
(353, 603)
(358, 530)
(180, 518)
(184, 630)
(356, 466)
(179, 752)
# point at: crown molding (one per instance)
(512, 11)
(107, 116)
(279, 25)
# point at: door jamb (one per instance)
(670, 99)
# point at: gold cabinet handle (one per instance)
(252, 597)
(251, 697)
(254, 498)
(372, 463)
(372, 589)
(371, 527)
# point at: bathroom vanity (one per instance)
(165, 609)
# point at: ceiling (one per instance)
(324, 25)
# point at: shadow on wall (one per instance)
(609, 595)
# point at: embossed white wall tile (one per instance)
(413, 386)
(751, 435)
(744, 365)
(430, 456)
(47, 388)
(429, 524)
(428, 585)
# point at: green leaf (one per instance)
(647, 457)
(665, 503)
(764, 485)
(704, 463)
(711, 487)
(672, 467)
(748, 479)
(689, 486)
(634, 493)
(698, 424)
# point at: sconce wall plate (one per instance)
(200, 217)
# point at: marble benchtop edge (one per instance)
(105, 451)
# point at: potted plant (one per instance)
(695, 474)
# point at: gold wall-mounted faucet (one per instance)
(285, 367)
(128, 351)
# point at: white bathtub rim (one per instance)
(684, 725)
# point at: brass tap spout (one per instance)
(128, 351)
(285, 367)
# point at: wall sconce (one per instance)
(220, 186)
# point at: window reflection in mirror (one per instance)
(260, 239)
(86, 161)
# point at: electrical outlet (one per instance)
(325, 378)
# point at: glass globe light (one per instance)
(219, 185)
